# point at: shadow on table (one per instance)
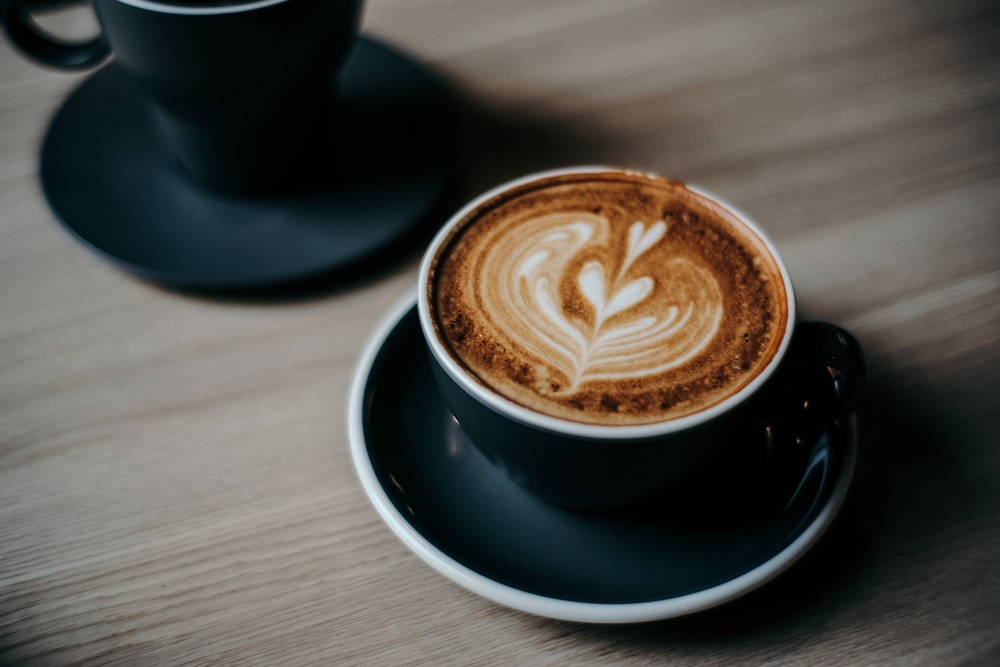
(900, 457)
(494, 145)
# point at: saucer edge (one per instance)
(539, 605)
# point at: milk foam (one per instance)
(638, 320)
(608, 298)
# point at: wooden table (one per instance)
(175, 482)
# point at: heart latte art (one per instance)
(556, 294)
(615, 299)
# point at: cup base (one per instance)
(114, 185)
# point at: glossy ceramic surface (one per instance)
(114, 184)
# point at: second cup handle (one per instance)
(34, 42)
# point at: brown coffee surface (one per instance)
(608, 298)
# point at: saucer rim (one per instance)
(556, 608)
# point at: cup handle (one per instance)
(30, 39)
(822, 379)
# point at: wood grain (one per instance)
(175, 485)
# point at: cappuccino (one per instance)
(608, 298)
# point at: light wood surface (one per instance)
(175, 483)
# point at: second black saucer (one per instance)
(116, 187)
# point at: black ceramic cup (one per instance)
(242, 90)
(815, 378)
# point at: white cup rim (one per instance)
(566, 427)
(194, 10)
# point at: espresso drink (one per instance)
(608, 298)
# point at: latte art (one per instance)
(630, 325)
(607, 298)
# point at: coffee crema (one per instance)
(608, 298)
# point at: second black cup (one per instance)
(242, 91)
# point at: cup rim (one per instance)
(194, 10)
(565, 427)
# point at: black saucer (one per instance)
(113, 184)
(468, 521)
